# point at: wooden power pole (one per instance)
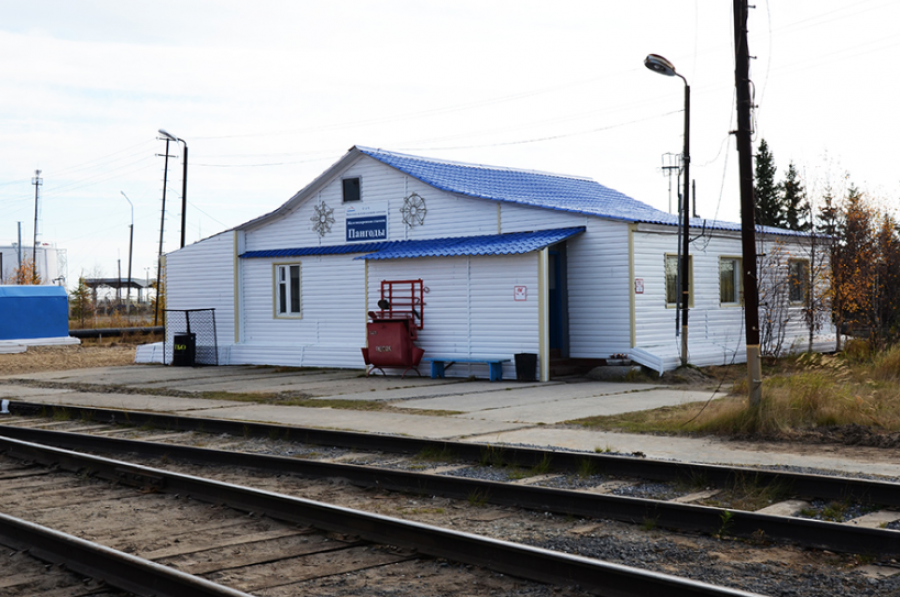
(748, 225)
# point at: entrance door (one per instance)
(559, 301)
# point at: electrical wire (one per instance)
(722, 380)
(194, 206)
(548, 138)
(434, 111)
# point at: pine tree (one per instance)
(828, 215)
(767, 193)
(796, 206)
(81, 301)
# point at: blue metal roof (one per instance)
(539, 189)
(513, 243)
(318, 250)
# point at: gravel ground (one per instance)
(706, 564)
(836, 511)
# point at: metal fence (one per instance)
(201, 323)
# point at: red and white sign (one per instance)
(520, 293)
(639, 286)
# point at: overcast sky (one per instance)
(269, 94)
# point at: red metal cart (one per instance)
(394, 327)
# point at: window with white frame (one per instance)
(730, 290)
(287, 290)
(673, 287)
(798, 280)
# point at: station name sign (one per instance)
(367, 223)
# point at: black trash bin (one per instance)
(184, 350)
(526, 366)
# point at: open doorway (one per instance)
(558, 301)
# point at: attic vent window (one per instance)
(351, 189)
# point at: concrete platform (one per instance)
(27, 392)
(559, 411)
(355, 420)
(515, 394)
(145, 402)
(688, 449)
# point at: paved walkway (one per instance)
(480, 411)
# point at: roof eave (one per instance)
(310, 189)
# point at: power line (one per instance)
(548, 138)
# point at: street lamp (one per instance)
(130, 247)
(660, 65)
(184, 164)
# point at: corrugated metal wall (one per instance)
(330, 330)
(715, 331)
(470, 308)
(599, 307)
(201, 276)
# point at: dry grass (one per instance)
(800, 394)
(58, 358)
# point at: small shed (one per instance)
(33, 315)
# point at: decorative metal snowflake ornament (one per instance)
(323, 219)
(413, 210)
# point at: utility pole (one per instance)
(37, 181)
(130, 250)
(671, 163)
(162, 226)
(748, 232)
(686, 223)
(19, 246)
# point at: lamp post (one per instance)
(130, 247)
(658, 64)
(184, 164)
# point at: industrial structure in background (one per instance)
(52, 268)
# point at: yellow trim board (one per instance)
(631, 284)
(237, 288)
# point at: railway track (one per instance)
(168, 533)
(696, 498)
(24, 575)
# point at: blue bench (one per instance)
(440, 364)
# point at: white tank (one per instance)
(51, 263)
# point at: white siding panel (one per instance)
(520, 218)
(332, 327)
(201, 276)
(715, 332)
(469, 307)
(383, 187)
(599, 286)
(447, 215)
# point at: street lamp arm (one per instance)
(659, 64)
(184, 163)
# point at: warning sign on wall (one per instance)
(639, 286)
(520, 293)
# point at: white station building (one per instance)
(511, 261)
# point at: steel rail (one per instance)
(533, 563)
(804, 484)
(115, 568)
(685, 517)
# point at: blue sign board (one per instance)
(367, 228)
